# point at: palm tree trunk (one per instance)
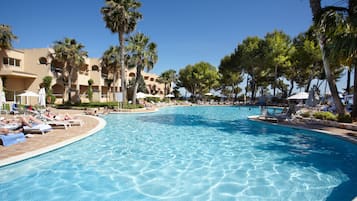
(331, 82)
(136, 86)
(348, 85)
(70, 85)
(316, 12)
(65, 91)
(354, 107)
(122, 65)
(113, 83)
(315, 8)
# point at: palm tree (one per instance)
(167, 78)
(143, 54)
(110, 61)
(71, 55)
(321, 36)
(6, 38)
(343, 45)
(121, 17)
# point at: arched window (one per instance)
(95, 68)
(42, 60)
(131, 74)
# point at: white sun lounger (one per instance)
(37, 128)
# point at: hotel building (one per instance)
(24, 69)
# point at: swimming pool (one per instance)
(189, 153)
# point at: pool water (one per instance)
(189, 153)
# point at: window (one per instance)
(95, 68)
(42, 60)
(11, 61)
(17, 62)
(5, 60)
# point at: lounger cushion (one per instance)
(12, 138)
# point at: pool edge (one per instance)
(326, 132)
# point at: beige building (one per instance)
(24, 70)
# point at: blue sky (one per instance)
(186, 31)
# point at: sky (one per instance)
(185, 31)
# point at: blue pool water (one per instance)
(189, 153)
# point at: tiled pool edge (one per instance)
(21, 157)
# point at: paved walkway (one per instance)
(345, 134)
(59, 137)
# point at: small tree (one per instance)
(90, 90)
(46, 82)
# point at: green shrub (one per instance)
(325, 116)
(344, 118)
(132, 106)
(109, 105)
(152, 99)
(330, 116)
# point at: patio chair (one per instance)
(12, 138)
(38, 128)
(55, 123)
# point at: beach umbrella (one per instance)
(28, 94)
(2, 99)
(299, 96)
(208, 94)
(42, 97)
(141, 95)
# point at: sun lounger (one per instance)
(66, 122)
(75, 122)
(37, 128)
(12, 138)
(55, 123)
